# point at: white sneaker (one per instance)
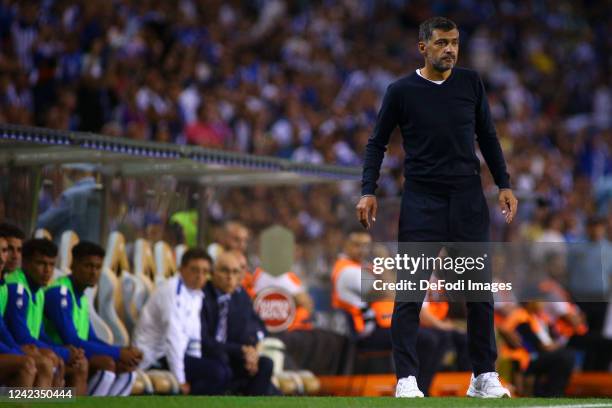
(407, 388)
(487, 385)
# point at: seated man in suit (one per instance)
(230, 333)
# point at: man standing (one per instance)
(439, 108)
(371, 321)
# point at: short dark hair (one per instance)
(195, 253)
(595, 220)
(86, 248)
(434, 23)
(11, 231)
(353, 227)
(40, 246)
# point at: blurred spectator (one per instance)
(527, 332)
(591, 272)
(208, 130)
(78, 208)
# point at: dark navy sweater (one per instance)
(439, 125)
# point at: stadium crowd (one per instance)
(303, 81)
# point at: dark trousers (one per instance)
(596, 348)
(207, 376)
(453, 212)
(456, 341)
(552, 372)
(211, 376)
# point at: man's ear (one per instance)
(421, 47)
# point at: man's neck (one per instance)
(31, 284)
(433, 75)
(78, 290)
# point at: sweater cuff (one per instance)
(368, 189)
(504, 182)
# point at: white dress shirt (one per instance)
(169, 325)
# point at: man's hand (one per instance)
(367, 208)
(137, 353)
(77, 356)
(55, 360)
(130, 356)
(251, 359)
(30, 350)
(185, 388)
(508, 204)
(445, 325)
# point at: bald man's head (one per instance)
(227, 273)
(235, 236)
(242, 261)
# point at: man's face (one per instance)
(39, 268)
(441, 50)
(195, 273)
(13, 261)
(86, 270)
(596, 232)
(358, 246)
(237, 238)
(3, 254)
(227, 273)
(242, 261)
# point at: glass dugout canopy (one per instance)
(22, 146)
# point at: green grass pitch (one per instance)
(314, 402)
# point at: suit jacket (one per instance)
(243, 325)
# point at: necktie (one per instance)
(221, 334)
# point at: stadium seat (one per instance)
(164, 382)
(288, 382)
(68, 240)
(143, 384)
(134, 295)
(144, 263)
(43, 233)
(274, 349)
(102, 330)
(179, 250)
(109, 295)
(142, 277)
(135, 289)
(165, 266)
